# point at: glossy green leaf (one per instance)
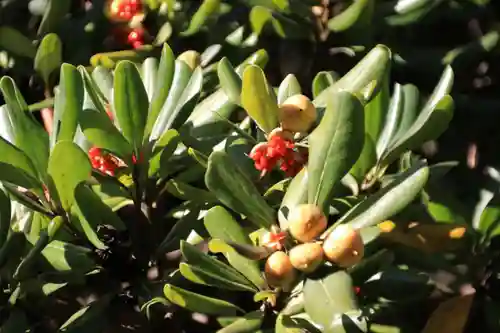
(101, 132)
(229, 80)
(16, 43)
(96, 98)
(410, 109)
(29, 136)
(376, 110)
(429, 125)
(104, 81)
(88, 318)
(198, 303)
(68, 104)
(48, 56)
(367, 159)
(334, 146)
(214, 267)
(258, 99)
(185, 191)
(68, 167)
(211, 113)
(250, 323)
(165, 75)
(204, 12)
(17, 168)
(163, 150)
(111, 59)
(328, 298)
(64, 256)
(392, 120)
(234, 189)
(289, 86)
(323, 80)
(349, 17)
(149, 73)
(130, 102)
(185, 90)
(188, 223)
(364, 80)
(201, 276)
(389, 200)
(55, 12)
(262, 18)
(221, 225)
(296, 194)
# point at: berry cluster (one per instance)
(103, 162)
(125, 9)
(278, 150)
(136, 38)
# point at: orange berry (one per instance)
(306, 222)
(344, 246)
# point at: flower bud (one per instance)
(344, 246)
(306, 257)
(306, 222)
(297, 114)
(279, 270)
(190, 58)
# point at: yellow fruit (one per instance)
(190, 58)
(306, 222)
(306, 257)
(344, 246)
(279, 270)
(287, 135)
(297, 114)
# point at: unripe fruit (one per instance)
(279, 270)
(306, 222)
(306, 257)
(344, 246)
(190, 58)
(287, 135)
(297, 114)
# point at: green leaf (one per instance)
(64, 256)
(104, 81)
(149, 74)
(322, 81)
(94, 94)
(101, 132)
(364, 80)
(55, 12)
(261, 18)
(184, 92)
(48, 56)
(199, 275)
(367, 159)
(214, 267)
(389, 200)
(392, 120)
(221, 225)
(166, 70)
(68, 104)
(289, 86)
(229, 80)
(410, 109)
(349, 17)
(17, 168)
(68, 167)
(16, 43)
(88, 318)
(28, 135)
(163, 150)
(335, 146)
(258, 99)
(250, 323)
(375, 111)
(130, 103)
(198, 303)
(326, 299)
(204, 12)
(185, 191)
(233, 188)
(295, 194)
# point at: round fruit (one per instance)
(306, 257)
(287, 135)
(344, 246)
(190, 58)
(297, 114)
(306, 222)
(279, 270)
